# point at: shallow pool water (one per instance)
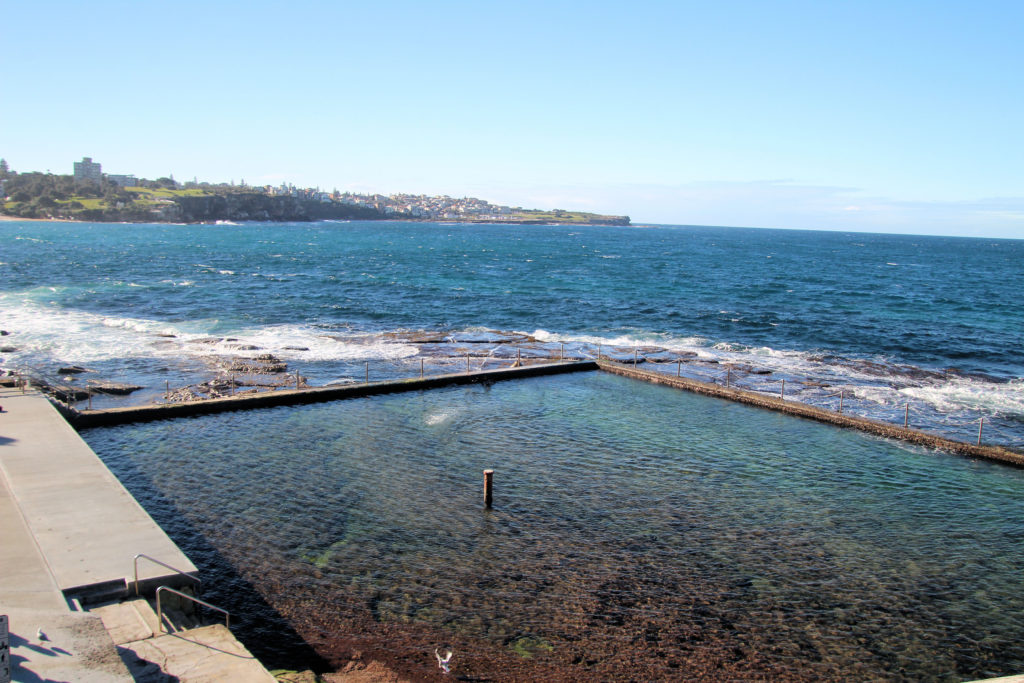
(637, 531)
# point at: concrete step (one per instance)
(210, 654)
(204, 654)
(128, 621)
(98, 593)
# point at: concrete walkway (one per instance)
(87, 526)
(74, 645)
(71, 530)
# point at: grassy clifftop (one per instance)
(37, 195)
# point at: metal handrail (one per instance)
(165, 565)
(160, 611)
(29, 375)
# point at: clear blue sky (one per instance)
(879, 116)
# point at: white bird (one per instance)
(40, 636)
(443, 662)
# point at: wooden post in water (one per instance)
(421, 368)
(981, 423)
(367, 372)
(467, 363)
(842, 394)
(728, 377)
(488, 488)
(167, 386)
(783, 394)
(906, 417)
(519, 357)
(634, 356)
(679, 367)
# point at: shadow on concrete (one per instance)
(23, 675)
(143, 670)
(19, 642)
(18, 670)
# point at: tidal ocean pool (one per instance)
(638, 532)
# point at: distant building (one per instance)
(87, 170)
(122, 180)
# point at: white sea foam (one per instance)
(964, 394)
(44, 334)
(317, 345)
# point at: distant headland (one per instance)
(88, 194)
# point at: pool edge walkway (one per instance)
(798, 409)
(85, 523)
(109, 417)
(70, 533)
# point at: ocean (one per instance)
(929, 325)
(639, 532)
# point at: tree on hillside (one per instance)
(4, 169)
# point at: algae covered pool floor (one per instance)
(637, 532)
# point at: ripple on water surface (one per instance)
(637, 530)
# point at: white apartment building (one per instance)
(87, 170)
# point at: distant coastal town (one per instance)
(89, 194)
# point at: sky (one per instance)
(869, 116)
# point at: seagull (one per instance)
(443, 662)
(40, 636)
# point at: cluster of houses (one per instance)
(417, 206)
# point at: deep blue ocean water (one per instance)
(936, 323)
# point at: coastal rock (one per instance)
(4, 333)
(295, 348)
(475, 337)
(71, 370)
(206, 340)
(113, 388)
(369, 672)
(748, 369)
(237, 206)
(244, 347)
(264, 364)
(8, 349)
(70, 394)
(296, 677)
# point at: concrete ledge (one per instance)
(80, 519)
(798, 409)
(206, 654)
(115, 416)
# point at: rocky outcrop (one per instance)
(256, 206)
(249, 206)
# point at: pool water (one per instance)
(637, 532)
